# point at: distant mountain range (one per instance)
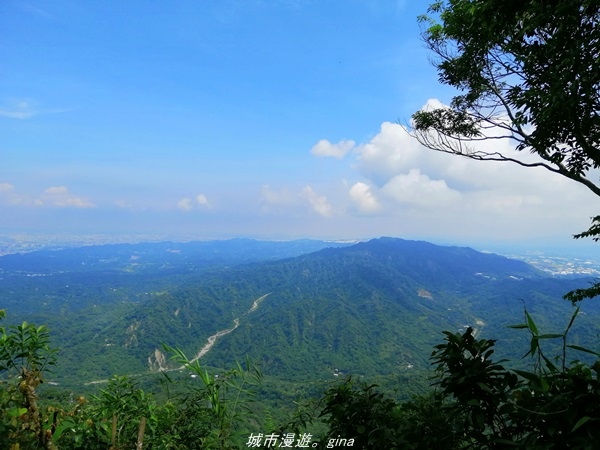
(305, 310)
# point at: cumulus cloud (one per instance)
(60, 196)
(433, 103)
(318, 202)
(363, 197)
(324, 148)
(188, 204)
(202, 200)
(390, 152)
(185, 204)
(398, 168)
(412, 186)
(417, 189)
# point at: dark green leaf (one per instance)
(581, 422)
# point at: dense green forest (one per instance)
(372, 309)
(386, 344)
(332, 346)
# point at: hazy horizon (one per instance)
(41, 240)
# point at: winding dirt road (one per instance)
(212, 339)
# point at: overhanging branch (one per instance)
(440, 142)
(460, 147)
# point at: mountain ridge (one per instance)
(374, 308)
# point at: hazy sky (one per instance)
(269, 119)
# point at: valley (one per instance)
(213, 339)
(158, 362)
(303, 311)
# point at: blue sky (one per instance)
(268, 119)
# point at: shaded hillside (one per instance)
(60, 281)
(373, 308)
(160, 255)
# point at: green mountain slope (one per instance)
(373, 309)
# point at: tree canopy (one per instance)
(525, 71)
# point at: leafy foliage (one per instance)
(547, 408)
(526, 68)
(362, 413)
(526, 72)
(228, 395)
(115, 418)
(468, 374)
(24, 355)
(357, 309)
(371, 310)
(476, 403)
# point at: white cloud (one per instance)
(318, 202)
(202, 200)
(324, 148)
(56, 190)
(185, 204)
(390, 152)
(363, 197)
(59, 196)
(188, 204)
(499, 203)
(418, 189)
(433, 103)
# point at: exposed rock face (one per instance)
(157, 361)
(131, 339)
(425, 294)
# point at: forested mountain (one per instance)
(371, 309)
(75, 278)
(193, 255)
